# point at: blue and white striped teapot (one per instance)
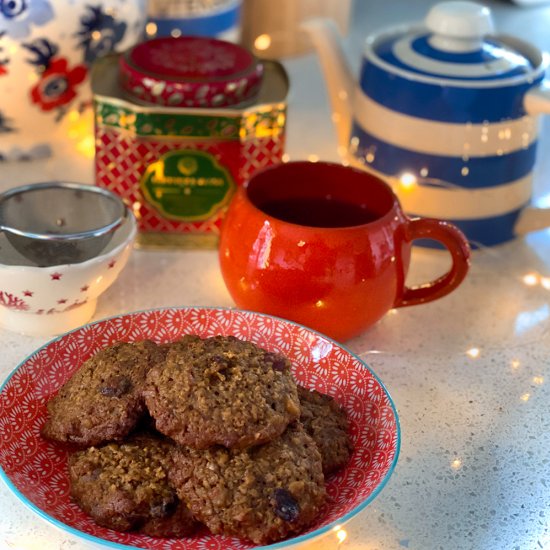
(445, 111)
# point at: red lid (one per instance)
(190, 71)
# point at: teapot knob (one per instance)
(459, 26)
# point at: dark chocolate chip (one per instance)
(116, 386)
(163, 509)
(285, 505)
(277, 361)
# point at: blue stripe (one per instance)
(485, 232)
(422, 47)
(482, 171)
(444, 103)
(205, 25)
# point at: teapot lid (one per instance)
(456, 42)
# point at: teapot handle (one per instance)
(455, 242)
(537, 99)
(532, 219)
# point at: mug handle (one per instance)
(455, 242)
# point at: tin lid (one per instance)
(456, 42)
(190, 71)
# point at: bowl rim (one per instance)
(306, 537)
(121, 210)
(128, 221)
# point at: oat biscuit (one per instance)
(326, 422)
(262, 493)
(221, 390)
(124, 486)
(102, 400)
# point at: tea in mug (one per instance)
(319, 211)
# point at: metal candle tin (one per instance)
(178, 167)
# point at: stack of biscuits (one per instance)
(201, 431)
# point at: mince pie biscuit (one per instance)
(326, 422)
(262, 493)
(102, 400)
(124, 486)
(221, 390)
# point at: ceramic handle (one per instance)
(532, 219)
(455, 242)
(537, 99)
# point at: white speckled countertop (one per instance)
(470, 373)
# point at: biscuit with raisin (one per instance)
(124, 486)
(221, 390)
(102, 400)
(263, 493)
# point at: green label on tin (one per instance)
(187, 185)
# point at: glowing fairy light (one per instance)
(538, 380)
(525, 397)
(136, 209)
(456, 464)
(80, 129)
(86, 146)
(342, 151)
(341, 535)
(313, 158)
(530, 279)
(151, 29)
(407, 180)
(262, 42)
(473, 353)
(285, 157)
(515, 364)
(545, 282)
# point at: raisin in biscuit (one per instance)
(262, 493)
(326, 422)
(102, 401)
(124, 486)
(221, 390)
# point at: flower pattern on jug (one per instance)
(5, 126)
(46, 50)
(57, 84)
(4, 59)
(18, 15)
(100, 32)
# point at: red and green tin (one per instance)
(177, 167)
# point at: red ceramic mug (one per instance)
(328, 246)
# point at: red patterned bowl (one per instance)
(36, 469)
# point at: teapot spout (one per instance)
(338, 77)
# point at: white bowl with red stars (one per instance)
(36, 469)
(42, 301)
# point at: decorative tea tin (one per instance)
(177, 167)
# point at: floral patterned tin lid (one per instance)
(190, 71)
